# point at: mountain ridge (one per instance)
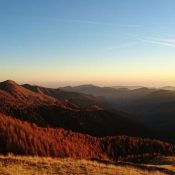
(47, 111)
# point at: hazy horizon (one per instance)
(108, 43)
(59, 84)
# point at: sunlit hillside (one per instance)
(47, 166)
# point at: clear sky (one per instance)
(107, 42)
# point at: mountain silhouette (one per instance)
(47, 111)
(80, 99)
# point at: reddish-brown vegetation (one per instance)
(47, 111)
(29, 111)
(27, 139)
(79, 99)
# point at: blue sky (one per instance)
(106, 42)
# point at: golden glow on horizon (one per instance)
(100, 78)
(139, 73)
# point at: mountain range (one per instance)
(155, 107)
(84, 122)
(56, 108)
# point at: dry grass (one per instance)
(12, 165)
(164, 162)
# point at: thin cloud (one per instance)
(168, 40)
(122, 46)
(81, 21)
(99, 23)
(157, 41)
(84, 21)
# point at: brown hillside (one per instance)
(82, 100)
(27, 139)
(47, 111)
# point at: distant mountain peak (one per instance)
(9, 82)
(8, 85)
(15, 89)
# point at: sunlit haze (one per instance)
(73, 42)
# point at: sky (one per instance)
(103, 42)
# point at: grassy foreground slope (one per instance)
(12, 165)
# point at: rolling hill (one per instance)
(112, 95)
(156, 110)
(39, 121)
(80, 99)
(153, 107)
(47, 111)
(23, 138)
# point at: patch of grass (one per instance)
(18, 165)
(163, 162)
